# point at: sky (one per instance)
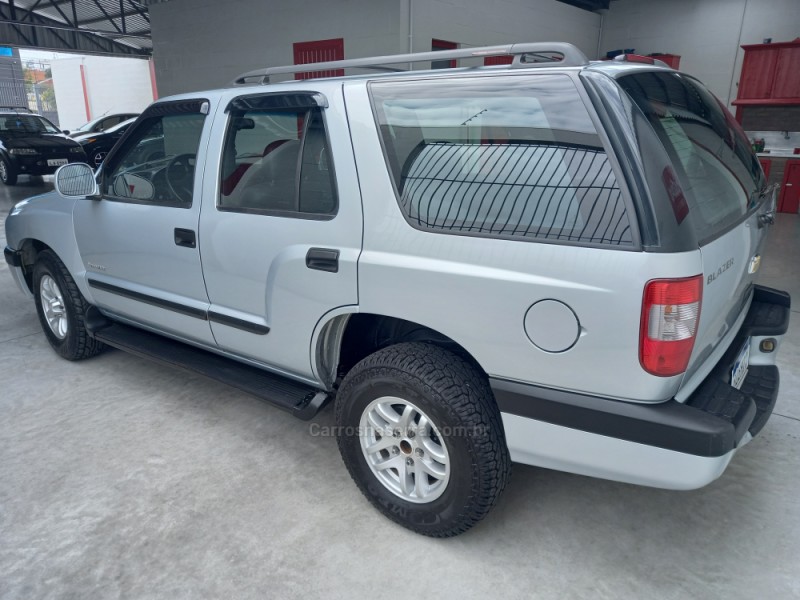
(29, 54)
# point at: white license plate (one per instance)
(56, 162)
(740, 365)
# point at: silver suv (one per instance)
(550, 262)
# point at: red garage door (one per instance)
(443, 45)
(319, 51)
(498, 60)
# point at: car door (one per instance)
(281, 228)
(138, 242)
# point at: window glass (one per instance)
(158, 162)
(26, 124)
(109, 122)
(715, 165)
(277, 162)
(503, 156)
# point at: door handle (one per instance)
(323, 259)
(185, 238)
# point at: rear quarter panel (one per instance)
(478, 290)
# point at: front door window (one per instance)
(157, 164)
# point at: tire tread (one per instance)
(85, 346)
(466, 391)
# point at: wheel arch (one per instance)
(347, 338)
(29, 250)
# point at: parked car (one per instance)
(551, 262)
(97, 145)
(101, 124)
(32, 145)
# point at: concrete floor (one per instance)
(120, 478)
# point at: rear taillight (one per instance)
(670, 315)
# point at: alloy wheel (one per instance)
(52, 301)
(404, 449)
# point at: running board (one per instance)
(303, 401)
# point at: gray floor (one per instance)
(123, 479)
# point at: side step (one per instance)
(301, 400)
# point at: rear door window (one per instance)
(276, 162)
(510, 156)
(710, 154)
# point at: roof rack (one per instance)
(15, 109)
(535, 54)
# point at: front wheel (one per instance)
(421, 435)
(61, 308)
(7, 174)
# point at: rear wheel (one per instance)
(61, 308)
(420, 434)
(7, 173)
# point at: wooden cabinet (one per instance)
(770, 74)
(765, 166)
(758, 73)
(787, 73)
(789, 200)
(672, 60)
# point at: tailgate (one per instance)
(730, 267)
(717, 191)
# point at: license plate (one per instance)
(740, 365)
(56, 162)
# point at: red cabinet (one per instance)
(765, 166)
(787, 73)
(673, 60)
(758, 72)
(790, 189)
(770, 74)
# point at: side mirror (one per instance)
(65, 132)
(76, 181)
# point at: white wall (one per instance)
(69, 92)
(706, 33)
(113, 85)
(198, 46)
(489, 22)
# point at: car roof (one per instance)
(612, 68)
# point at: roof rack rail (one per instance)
(534, 54)
(16, 108)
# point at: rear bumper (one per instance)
(669, 444)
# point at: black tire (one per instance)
(457, 398)
(7, 173)
(76, 343)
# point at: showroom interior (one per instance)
(124, 478)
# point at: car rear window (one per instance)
(502, 156)
(711, 157)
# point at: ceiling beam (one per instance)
(49, 34)
(120, 15)
(110, 20)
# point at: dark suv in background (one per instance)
(32, 145)
(101, 124)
